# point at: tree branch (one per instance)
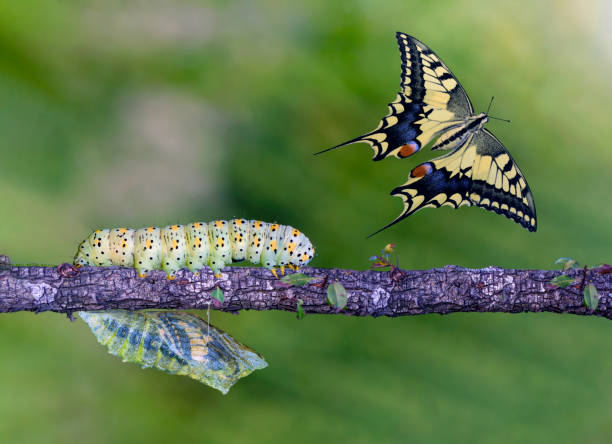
(370, 293)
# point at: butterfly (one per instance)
(432, 109)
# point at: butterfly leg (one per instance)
(282, 269)
(273, 270)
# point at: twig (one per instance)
(370, 293)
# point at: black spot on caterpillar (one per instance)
(196, 245)
(176, 342)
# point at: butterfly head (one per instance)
(481, 119)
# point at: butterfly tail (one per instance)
(390, 224)
(349, 142)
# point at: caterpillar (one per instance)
(216, 244)
(178, 343)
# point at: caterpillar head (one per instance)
(304, 252)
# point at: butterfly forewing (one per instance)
(497, 182)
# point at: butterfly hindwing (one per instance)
(480, 173)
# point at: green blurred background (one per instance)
(136, 113)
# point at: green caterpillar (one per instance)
(196, 245)
(176, 342)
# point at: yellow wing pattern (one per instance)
(480, 173)
(432, 109)
(430, 102)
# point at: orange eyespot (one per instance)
(219, 223)
(197, 225)
(422, 170)
(174, 227)
(409, 149)
(150, 229)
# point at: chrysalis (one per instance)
(196, 245)
(178, 343)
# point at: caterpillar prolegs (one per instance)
(216, 244)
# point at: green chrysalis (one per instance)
(178, 343)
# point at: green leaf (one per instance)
(567, 263)
(297, 279)
(336, 295)
(591, 297)
(217, 293)
(562, 281)
(300, 309)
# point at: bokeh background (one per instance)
(136, 113)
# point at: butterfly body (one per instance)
(432, 109)
(457, 135)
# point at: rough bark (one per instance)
(370, 293)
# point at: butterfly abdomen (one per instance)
(216, 244)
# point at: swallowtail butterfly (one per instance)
(432, 109)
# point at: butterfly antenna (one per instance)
(499, 118)
(491, 117)
(490, 103)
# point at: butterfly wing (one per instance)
(481, 172)
(430, 101)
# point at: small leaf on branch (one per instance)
(567, 263)
(591, 297)
(217, 294)
(562, 281)
(297, 279)
(380, 264)
(300, 309)
(336, 296)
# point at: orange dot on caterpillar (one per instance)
(196, 245)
